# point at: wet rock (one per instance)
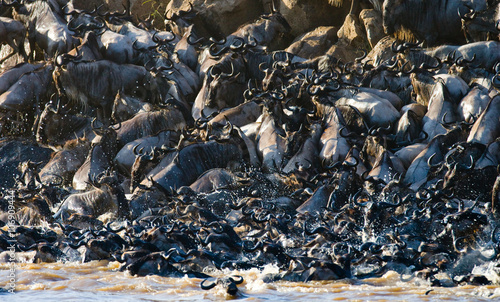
(90, 4)
(314, 43)
(116, 5)
(343, 51)
(142, 9)
(138, 8)
(219, 17)
(5, 50)
(372, 21)
(304, 15)
(352, 32)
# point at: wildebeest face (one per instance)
(272, 79)
(225, 91)
(390, 9)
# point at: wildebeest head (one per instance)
(278, 18)
(390, 9)
(43, 132)
(55, 125)
(179, 22)
(228, 283)
(29, 174)
(225, 89)
(460, 162)
(275, 76)
(277, 29)
(82, 22)
(106, 138)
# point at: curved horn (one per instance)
(407, 45)
(388, 65)
(261, 67)
(438, 65)
(229, 74)
(134, 150)
(95, 128)
(450, 57)
(365, 53)
(429, 160)
(472, 163)
(462, 61)
(350, 134)
(117, 127)
(194, 42)
(78, 244)
(211, 72)
(205, 286)
(173, 17)
(495, 81)
(212, 50)
(494, 239)
(237, 46)
(412, 68)
(237, 281)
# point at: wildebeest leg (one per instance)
(495, 196)
(20, 48)
(32, 53)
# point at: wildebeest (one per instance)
(32, 88)
(223, 86)
(45, 26)
(267, 31)
(432, 21)
(105, 79)
(195, 159)
(150, 123)
(56, 126)
(64, 163)
(99, 160)
(11, 75)
(106, 196)
(13, 33)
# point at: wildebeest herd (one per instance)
(174, 152)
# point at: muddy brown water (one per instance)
(102, 281)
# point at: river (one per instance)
(102, 281)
